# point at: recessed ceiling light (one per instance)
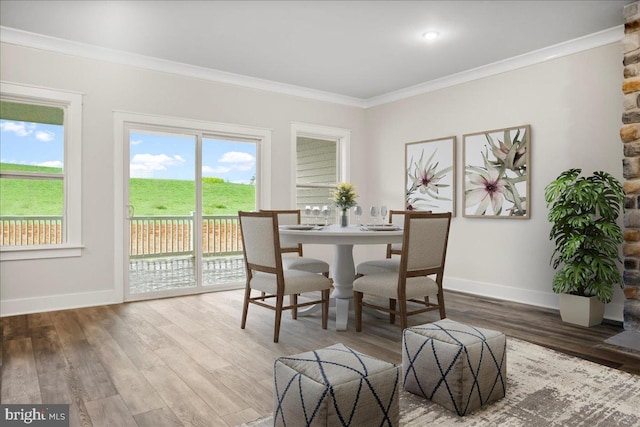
(431, 35)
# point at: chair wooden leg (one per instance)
(276, 331)
(357, 299)
(443, 314)
(245, 306)
(263, 294)
(293, 300)
(403, 313)
(392, 306)
(325, 308)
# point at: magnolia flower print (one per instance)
(504, 166)
(511, 154)
(426, 181)
(484, 187)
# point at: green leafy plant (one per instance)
(583, 211)
(344, 196)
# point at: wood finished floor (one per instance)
(185, 360)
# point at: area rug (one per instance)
(544, 388)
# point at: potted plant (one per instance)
(344, 196)
(583, 212)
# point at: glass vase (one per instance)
(344, 218)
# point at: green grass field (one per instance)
(148, 196)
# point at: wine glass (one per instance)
(358, 213)
(374, 213)
(326, 211)
(383, 213)
(316, 213)
(307, 213)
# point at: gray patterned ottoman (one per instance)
(335, 386)
(457, 366)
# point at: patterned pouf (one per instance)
(335, 386)
(458, 366)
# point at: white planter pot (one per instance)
(579, 310)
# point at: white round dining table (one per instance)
(343, 269)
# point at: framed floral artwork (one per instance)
(430, 175)
(496, 173)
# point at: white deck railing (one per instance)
(151, 236)
(154, 236)
(30, 230)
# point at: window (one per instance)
(321, 159)
(39, 172)
(316, 171)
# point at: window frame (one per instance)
(71, 103)
(343, 143)
(122, 122)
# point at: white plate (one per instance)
(298, 227)
(383, 228)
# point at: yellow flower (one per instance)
(344, 195)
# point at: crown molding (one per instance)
(54, 44)
(591, 41)
(39, 41)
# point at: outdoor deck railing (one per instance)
(31, 230)
(151, 236)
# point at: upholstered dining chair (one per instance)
(299, 262)
(424, 250)
(263, 265)
(390, 263)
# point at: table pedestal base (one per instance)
(342, 305)
(343, 273)
(343, 270)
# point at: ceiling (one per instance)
(357, 49)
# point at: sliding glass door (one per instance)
(183, 195)
(228, 186)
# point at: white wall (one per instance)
(574, 106)
(64, 283)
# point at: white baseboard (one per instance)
(43, 304)
(12, 307)
(612, 311)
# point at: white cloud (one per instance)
(135, 141)
(237, 157)
(143, 165)
(20, 129)
(208, 170)
(44, 135)
(236, 161)
(50, 163)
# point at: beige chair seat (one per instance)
(422, 258)
(295, 282)
(265, 273)
(378, 266)
(389, 264)
(310, 265)
(382, 285)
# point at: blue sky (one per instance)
(173, 157)
(31, 143)
(161, 156)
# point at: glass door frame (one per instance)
(124, 122)
(197, 209)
